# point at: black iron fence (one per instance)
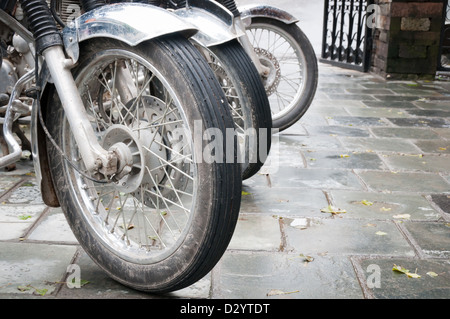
(346, 35)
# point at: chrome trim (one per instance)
(132, 23)
(10, 117)
(249, 12)
(214, 22)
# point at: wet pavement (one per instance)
(362, 184)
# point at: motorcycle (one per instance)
(121, 103)
(280, 51)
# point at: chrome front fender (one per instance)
(132, 23)
(249, 12)
(215, 23)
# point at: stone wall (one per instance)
(406, 39)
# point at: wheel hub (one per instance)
(159, 133)
(272, 80)
(121, 141)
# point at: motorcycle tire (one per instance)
(248, 102)
(166, 224)
(292, 82)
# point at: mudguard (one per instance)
(249, 12)
(132, 23)
(214, 22)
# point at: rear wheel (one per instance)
(166, 221)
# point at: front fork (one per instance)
(96, 159)
(49, 44)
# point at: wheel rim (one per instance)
(147, 221)
(280, 52)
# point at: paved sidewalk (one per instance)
(378, 150)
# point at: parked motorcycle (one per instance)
(282, 54)
(120, 104)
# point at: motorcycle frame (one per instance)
(111, 21)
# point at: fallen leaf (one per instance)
(370, 225)
(380, 233)
(400, 269)
(432, 274)
(344, 155)
(82, 282)
(406, 272)
(413, 275)
(333, 210)
(23, 288)
(245, 193)
(402, 216)
(41, 292)
(366, 202)
(384, 209)
(307, 258)
(24, 217)
(277, 292)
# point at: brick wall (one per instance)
(406, 39)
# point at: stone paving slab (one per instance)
(371, 144)
(405, 182)
(252, 275)
(345, 237)
(394, 285)
(34, 266)
(384, 206)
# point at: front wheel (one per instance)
(166, 222)
(247, 100)
(289, 55)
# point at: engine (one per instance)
(16, 56)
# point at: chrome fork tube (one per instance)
(94, 156)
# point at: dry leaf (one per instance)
(333, 210)
(277, 292)
(402, 216)
(413, 275)
(366, 202)
(307, 258)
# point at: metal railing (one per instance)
(346, 37)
